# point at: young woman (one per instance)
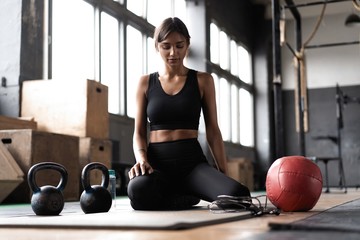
(171, 170)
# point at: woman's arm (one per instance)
(213, 134)
(140, 131)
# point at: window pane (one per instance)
(73, 40)
(234, 114)
(180, 9)
(152, 57)
(217, 91)
(246, 118)
(234, 58)
(154, 15)
(244, 65)
(214, 43)
(224, 108)
(134, 67)
(224, 53)
(136, 6)
(169, 8)
(110, 59)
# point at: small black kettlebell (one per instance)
(47, 200)
(96, 198)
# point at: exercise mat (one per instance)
(120, 218)
(344, 217)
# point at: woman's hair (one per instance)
(168, 26)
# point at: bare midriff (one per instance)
(172, 135)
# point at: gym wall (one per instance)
(326, 67)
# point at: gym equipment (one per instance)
(342, 99)
(294, 183)
(226, 204)
(47, 200)
(95, 198)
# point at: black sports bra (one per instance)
(179, 111)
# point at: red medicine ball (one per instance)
(294, 183)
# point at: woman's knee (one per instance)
(239, 189)
(210, 183)
(140, 185)
(145, 192)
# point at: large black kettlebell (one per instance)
(96, 198)
(47, 200)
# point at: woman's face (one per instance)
(173, 49)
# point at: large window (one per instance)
(106, 42)
(72, 40)
(111, 42)
(231, 65)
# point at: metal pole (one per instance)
(298, 38)
(332, 44)
(314, 3)
(278, 103)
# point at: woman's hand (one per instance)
(140, 168)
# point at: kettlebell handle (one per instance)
(85, 179)
(47, 165)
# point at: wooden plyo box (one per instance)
(7, 123)
(29, 147)
(95, 150)
(79, 108)
(242, 170)
(10, 173)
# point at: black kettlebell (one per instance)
(96, 198)
(47, 200)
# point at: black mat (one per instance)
(345, 218)
(304, 235)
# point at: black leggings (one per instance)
(181, 169)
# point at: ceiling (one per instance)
(341, 7)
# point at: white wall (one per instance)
(325, 66)
(10, 32)
(10, 42)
